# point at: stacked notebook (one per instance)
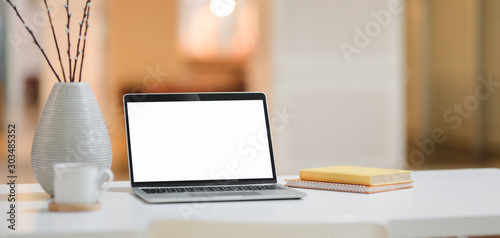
(353, 179)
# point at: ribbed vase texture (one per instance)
(71, 128)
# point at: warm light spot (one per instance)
(222, 8)
(205, 36)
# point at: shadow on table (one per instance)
(120, 190)
(40, 196)
(36, 211)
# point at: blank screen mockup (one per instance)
(198, 140)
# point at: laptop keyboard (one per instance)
(211, 189)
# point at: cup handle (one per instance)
(106, 185)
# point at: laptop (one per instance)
(197, 147)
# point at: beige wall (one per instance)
(141, 36)
(142, 53)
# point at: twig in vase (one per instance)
(78, 51)
(34, 38)
(69, 39)
(55, 39)
(87, 25)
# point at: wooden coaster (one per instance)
(54, 207)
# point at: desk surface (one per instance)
(442, 203)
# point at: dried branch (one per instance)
(87, 25)
(55, 39)
(69, 39)
(78, 51)
(34, 38)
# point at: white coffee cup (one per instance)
(77, 183)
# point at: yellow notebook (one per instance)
(356, 175)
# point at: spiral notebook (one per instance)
(343, 187)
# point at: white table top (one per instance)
(442, 203)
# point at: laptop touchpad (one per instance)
(223, 194)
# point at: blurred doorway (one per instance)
(454, 82)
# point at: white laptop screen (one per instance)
(198, 140)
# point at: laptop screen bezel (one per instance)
(172, 97)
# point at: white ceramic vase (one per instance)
(70, 129)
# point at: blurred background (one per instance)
(383, 83)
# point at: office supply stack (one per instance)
(353, 179)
